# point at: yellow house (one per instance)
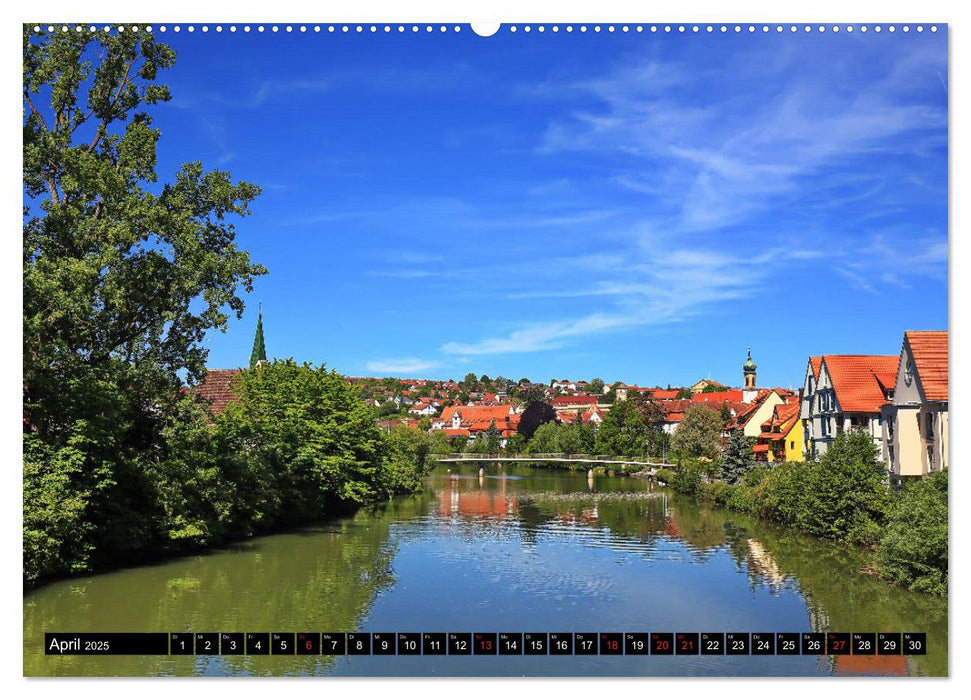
(781, 436)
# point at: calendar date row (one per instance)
(489, 643)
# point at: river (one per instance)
(517, 550)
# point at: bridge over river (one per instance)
(646, 463)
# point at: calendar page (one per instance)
(438, 349)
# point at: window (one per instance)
(792, 444)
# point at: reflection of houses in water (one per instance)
(763, 564)
(871, 665)
(475, 502)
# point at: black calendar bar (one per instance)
(105, 643)
(485, 643)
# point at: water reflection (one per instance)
(501, 550)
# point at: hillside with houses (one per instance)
(899, 400)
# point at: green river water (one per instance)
(516, 550)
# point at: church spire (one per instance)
(258, 355)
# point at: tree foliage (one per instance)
(623, 431)
(914, 544)
(737, 457)
(122, 278)
(535, 415)
(699, 433)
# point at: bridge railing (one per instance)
(551, 456)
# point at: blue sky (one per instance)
(630, 206)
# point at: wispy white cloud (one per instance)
(661, 287)
(717, 163)
(408, 365)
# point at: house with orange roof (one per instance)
(915, 422)
(848, 393)
(781, 436)
(593, 416)
(759, 410)
(465, 416)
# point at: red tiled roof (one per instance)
(860, 381)
(760, 448)
(930, 352)
(664, 394)
(674, 417)
(217, 388)
(574, 400)
(677, 406)
(815, 362)
(475, 413)
(718, 397)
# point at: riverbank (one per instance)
(844, 497)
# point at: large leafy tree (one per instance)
(122, 278)
(699, 433)
(624, 431)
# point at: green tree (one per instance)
(493, 438)
(913, 546)
(516, 443)
(546, 438)
(122, 279)
(576, 438)
(699, 433)
(726, 413)
(305, 440)
(846, 494)
(737, 457)
(623, 431)
(439, 443)
(596, 386)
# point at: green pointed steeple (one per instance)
(259, 346)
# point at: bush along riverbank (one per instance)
(296, 446)
(842, 496)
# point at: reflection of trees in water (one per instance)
(322, 578)
(838, 597)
